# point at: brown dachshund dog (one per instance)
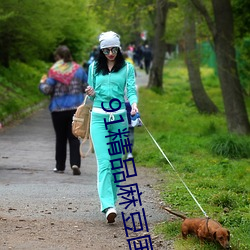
(204, 229)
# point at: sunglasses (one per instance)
(106, 51)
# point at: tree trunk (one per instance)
(223, 38)
(235, 109)
(159, 47)
(201, 99)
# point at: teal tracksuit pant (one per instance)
(107, 189)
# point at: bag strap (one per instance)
(127, 76)
(126, 83)
(93, 73)
(87, 137)
(90, 149)
(93, 70)
(85, 99)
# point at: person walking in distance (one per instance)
(108, 77)
(65, 83)
(147, 54)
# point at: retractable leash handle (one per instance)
(174, 169)
(135, 120)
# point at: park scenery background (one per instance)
(209, 152)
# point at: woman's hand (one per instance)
(134, 109)
(90, 91)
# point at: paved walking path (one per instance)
(30, 190)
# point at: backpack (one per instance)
(81, 126)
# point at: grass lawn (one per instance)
(214, 164)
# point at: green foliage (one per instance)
(127, 17)
(175, 25)
(29, 33)
(175, 28)
(231, 146)
(19, 87)
(241, 17)
(219, 183)
(243, 59)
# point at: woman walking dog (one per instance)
(108, 78)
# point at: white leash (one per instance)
(175, 170)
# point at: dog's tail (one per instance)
(175, 213)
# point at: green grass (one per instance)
(214, 164)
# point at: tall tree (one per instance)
(223, 38)
(159, 44)
(202, 101)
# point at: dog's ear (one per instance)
(228, 237)
(214, 235)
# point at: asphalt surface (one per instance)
(31, 190)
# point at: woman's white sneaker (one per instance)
(129, 156)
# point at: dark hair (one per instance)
(64, 53)
(102, 67)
